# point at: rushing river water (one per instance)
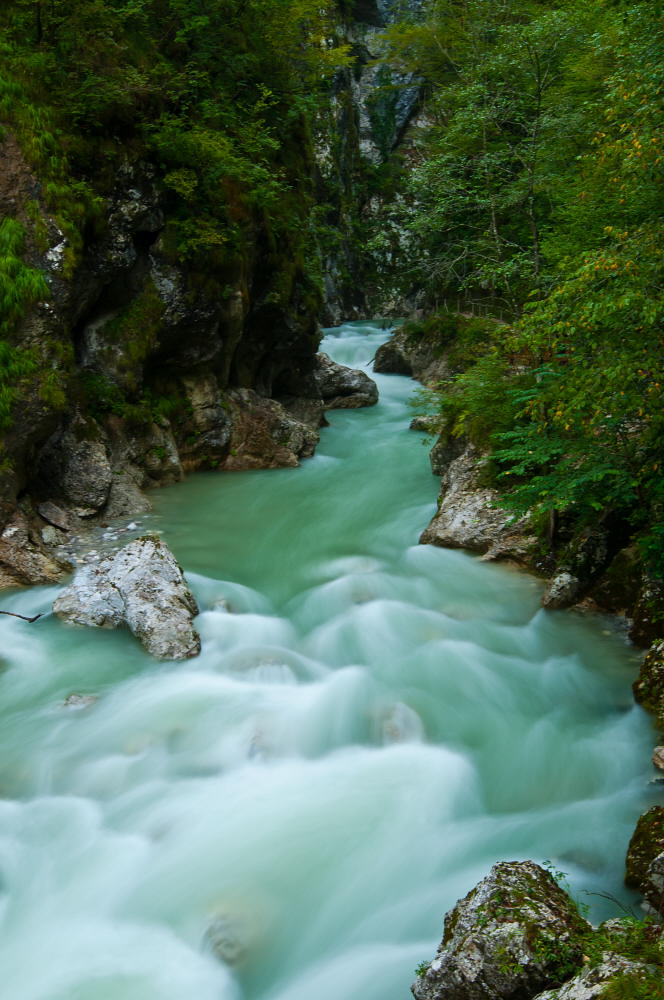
(371, 724)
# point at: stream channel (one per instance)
(370, 726)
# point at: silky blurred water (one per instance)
(371, 724)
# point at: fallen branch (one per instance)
(22, 617)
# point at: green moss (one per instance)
(646, 984)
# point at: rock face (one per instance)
(649, 686)
(76, 462)
(645, 858)
(142, 587)
(653, 887)
(468, 515)
(648, 614)
(421, 357)
(592, 983)
(264, 435)
(24, 559)
(515, 934)
(341, 387)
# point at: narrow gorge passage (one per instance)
(371, 724)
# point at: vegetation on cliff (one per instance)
(538, 198)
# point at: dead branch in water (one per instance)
(22, 617)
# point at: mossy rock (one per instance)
(649, 687)
(516, 933)
(646, 843)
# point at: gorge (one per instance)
(364, 725)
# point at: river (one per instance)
(370, 726)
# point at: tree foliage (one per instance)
(540, 190)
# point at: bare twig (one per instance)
(22, 617)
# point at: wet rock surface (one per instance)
(515, 934)
(140, 586)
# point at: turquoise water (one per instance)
(370, 725)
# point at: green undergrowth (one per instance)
(20, 285)
(101, 397)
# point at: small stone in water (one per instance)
(79, 701)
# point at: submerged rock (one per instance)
(341, 387)
(514, 934)
(142, 587)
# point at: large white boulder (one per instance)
(142, 587)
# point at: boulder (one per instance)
(264, 434)
(424, 357)
(593, 983)
(648, 688)
(516, 933)
(658, 758)
(469, 517)
(341, 387)
(562, 591)
(140, 586)
(646, 845)
(392, 357)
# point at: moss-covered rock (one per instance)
(649, 686)
(516, 933)
(616, 978)
(646, 844)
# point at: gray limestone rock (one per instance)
(341, 387)
(514, 934)
(74, 466)
(469, 517)
(421, 357)
(140, 586)
(562, 591)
